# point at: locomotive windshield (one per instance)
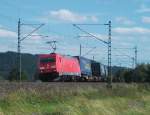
(47, 60)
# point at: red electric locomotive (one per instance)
(56, 67)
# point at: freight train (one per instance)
(57, 67)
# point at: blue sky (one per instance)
(130, 27)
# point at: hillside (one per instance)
(8, 61)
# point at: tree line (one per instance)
(140, 74)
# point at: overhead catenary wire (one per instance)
(134, 58)
(89, 51)
(108, 44)
(91, 35)
(32, 32)
(19, 44)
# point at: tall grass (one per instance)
(77, 99)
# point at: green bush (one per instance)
(14, 75)
(140, 74)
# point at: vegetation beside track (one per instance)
(75, 99)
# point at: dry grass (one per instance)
(75, 99)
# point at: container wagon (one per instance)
(85, 67)
(96, 70)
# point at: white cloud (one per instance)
(7, 33)
(67, 15)
(124, 20)
(94, 19)
(145, 19)
(132, 30)
(143, 9)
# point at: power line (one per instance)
(91, 35)
(80, 50)
(19, 43)
(134, 58)
(108, 44)
(89, 51)
(40, 25)
(122, 48)
(135, 48)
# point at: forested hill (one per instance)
(8, 61)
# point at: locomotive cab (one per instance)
(47, 67)
(56, 67)
(47, 64)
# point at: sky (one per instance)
(130, 27)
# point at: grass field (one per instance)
(75, 99)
